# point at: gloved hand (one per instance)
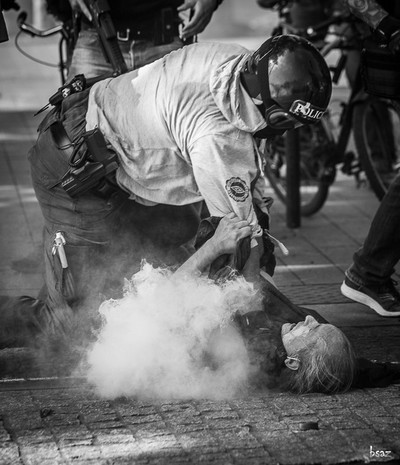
(391, 28)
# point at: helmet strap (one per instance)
(267, 132)
(262, 70)
(263, 81)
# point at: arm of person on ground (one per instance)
(251, 270)
(224, 241)
(225, 169)
(202, 13)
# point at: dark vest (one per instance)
(134, 10)
(143, 8)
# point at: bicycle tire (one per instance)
(374, 127)
(317, 174)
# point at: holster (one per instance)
(93, 165)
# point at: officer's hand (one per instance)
(202, 13)
(79, 5)
(228, 234)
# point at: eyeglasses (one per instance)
(277, 118)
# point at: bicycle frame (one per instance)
(357, 94)
(320, 148)
(346, 115)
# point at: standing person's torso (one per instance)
(130, 9)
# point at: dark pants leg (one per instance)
(106, 239)
(98, 263)
(384, 155)
(374, 263)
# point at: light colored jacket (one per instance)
(182, 128)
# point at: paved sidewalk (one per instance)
(62, 421)
(46, 424)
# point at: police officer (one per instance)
(184, 129)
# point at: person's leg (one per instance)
(381, 139)
(105, 242)
(88, 58)
(84, 223)
(373, 264)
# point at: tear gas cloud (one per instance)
(171, 338)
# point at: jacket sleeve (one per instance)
(224, 168)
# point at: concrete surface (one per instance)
(62, 421)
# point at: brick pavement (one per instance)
(47, 424)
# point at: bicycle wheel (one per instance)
(376, 126)
(317, 174)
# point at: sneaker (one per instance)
(385, 300)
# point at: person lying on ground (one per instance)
(289, 348)
(306, 356)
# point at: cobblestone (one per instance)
(254, 430)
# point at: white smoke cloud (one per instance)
(171, 338)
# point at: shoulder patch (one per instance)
(237, 189)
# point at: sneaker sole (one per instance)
(365, 300)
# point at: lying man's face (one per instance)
(305, 333)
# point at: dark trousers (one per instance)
(374, 263)
(105, 238)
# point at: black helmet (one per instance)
(293, 77)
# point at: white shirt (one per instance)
(182, 128)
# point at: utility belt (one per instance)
(88, 164)
(161, 28)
